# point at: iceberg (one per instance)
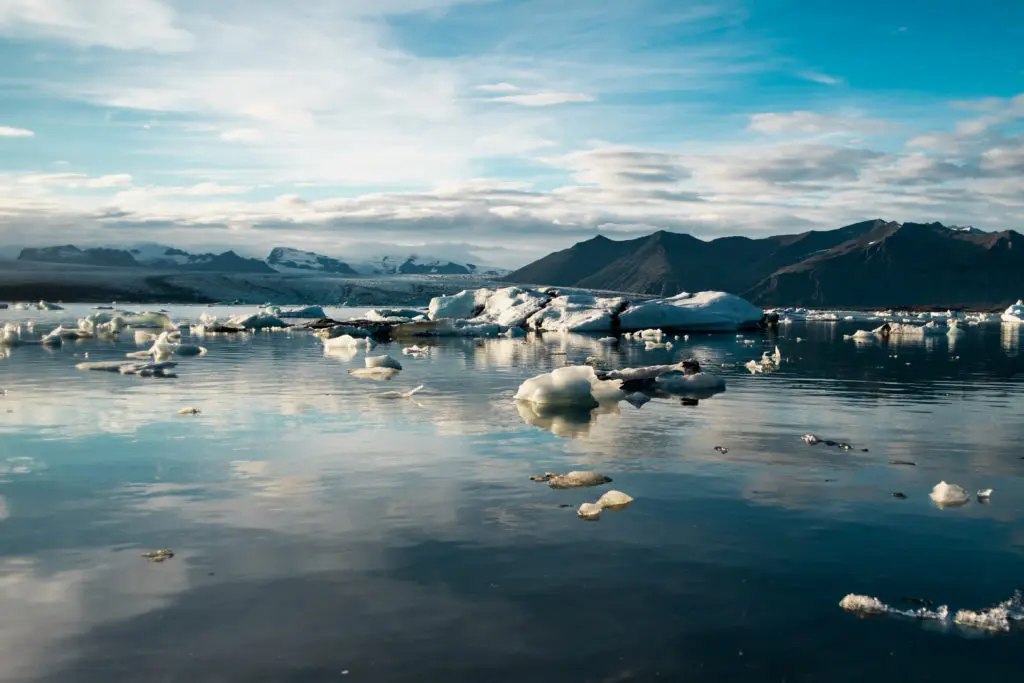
(589, 511)
(574, 386)
(701, 312)
(1015, 313)
(949, 495)
(384, 361)
(614, 500)
(465, 304)
(577, 313)
(511, 307)
(256, 321)
(377, 374)
(573, 480)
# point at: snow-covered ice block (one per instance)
(571, 386)
(1015, 313)
(949, 495)
(465, 304)
(703, 311)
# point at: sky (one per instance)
(501, 129)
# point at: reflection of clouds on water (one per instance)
(55, 605)
(5, 511)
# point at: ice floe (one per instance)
(949, 495)
(1015, 313)
(614, 500)
(703, 311)
(577, 313)
(995, 619)
(400, 394)
(570, 387)
(572, 480)
(377, 374)
(384, 361)
(589, 511)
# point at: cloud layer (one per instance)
(512, 128)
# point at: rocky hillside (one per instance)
(874, 263)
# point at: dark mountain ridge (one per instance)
(872, 263)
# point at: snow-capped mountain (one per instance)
(160, 256)
(415, 264)
(285, 258)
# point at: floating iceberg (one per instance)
(1015, 313)
(347, 341)
(949, 495)
(399, 394)
(574, 386)
(704, 311)
(681, 384)
(377, 374)
(465, 304)
(256, 321)
(156, 369)
(513, 307)
(577, 313)
(589, 511)
(573, 480)
(384, 361)
(614, 500)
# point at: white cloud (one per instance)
(118, 24)
(544, 99)
(818, 77)
(77, 180)
(813, 123)
(242, 135)
(497, 87)
(8, 132)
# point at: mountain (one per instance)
(158, 256)
(873, 263)
(284, 258)
(114, 258)
(415, 264)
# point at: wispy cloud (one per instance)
(76, 181)
(814, 123)
(8, 132)
(118, 24)
(497, 87)
(818, 77)
(545, 99)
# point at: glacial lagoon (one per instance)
(322, 534)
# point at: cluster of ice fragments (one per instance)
(485, 311)
(994, 619)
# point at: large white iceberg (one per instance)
(576, 313)
(257, 321)
(703, 311)
(1015, 313)
(574, 386)
(465, 304)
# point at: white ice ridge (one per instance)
(512, 307)
(574, 386)
(994, 619)
(1015, 313)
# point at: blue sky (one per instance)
(501, 128)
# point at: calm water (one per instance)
(323, 535)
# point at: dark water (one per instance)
(323, 535)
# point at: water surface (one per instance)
(321, 534)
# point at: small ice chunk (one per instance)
(949, 495)
(189, 411)
(571, 386)
(384, 361)
(416, 350)
(811, 439)
(863, 604)
(589, 511)
(996, 619)
(377, 374)
(399, 394)
(614, 500)
(575, 479)
(984, 494)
